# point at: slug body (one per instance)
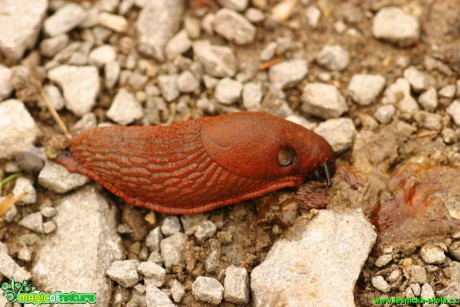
(198, 165)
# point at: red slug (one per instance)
(198, 165)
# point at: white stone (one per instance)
(24, 185)
(384, 114)
(339, 132)
(333, 57)
(323, 100)
(380, 284)
(54, 95)
(228, 91)
(234, 27)
(178, 44)
(5, 82)
(394, 25)
(65, 19)
(252, 96)
(58, 179)
(102, 55)
(124, 109)
(418, 80)
(313, 15)
(288, 74)
(429, 99)
(187, 82)
(207, 289)
(237, 5)
(168, 87)
(113, 22)
(236, 285)
(454, 111)
(316, 263)
(18, 130)
(218, 61)
(21, 23)
(80, 85)
(364, 89)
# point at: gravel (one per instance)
(171, 249)
(171, 225)
(65, 19)
(54, 95)
(168, 87)
(288, 74)
(384, 114)
(113, 22)
(383, 260)
(252, 96)
(429, 99)
(234, 27)
(80, 86)
(178, 44)
(10, 269)
(102, 55)
(207, 289)
(218, 61)
(333, 57)
(155, 273)
(18, 130)
(228, 91)
(187, 82)
(58, 179)
(124, 272)
(205, 230)
(177, 291)
(418, 80)
(22, 24)
(156, 297)
(323, 100)
(124, 109)
(432, 254)
(33, 221)
(236, 285)
(25, 185)
(380, 284)
(339, 132)
(153, 239)
(5, 84)
(394, 25)
(237, 5)
(454, 111)
(365, 89)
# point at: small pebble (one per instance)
(153, 271)
(385, 113)
(234, 27)
(113, 22)
(205, 230)
(383, 260)
(333, 57)
(394, 25)
(24, 185)
(124, 109)
(380, 284)
(168, 87)
(252, 96)
(171, 249)
(171, 225)
(364, 89)
(432, 254)
(448, 91)
(323, 100)
(429, 99)
(339, 132)
(124, 272)
(236, 285)
(228, 91)
(454, 111)
(187, 82)
(177, 291)
(288, 74)
(64, 19)
(207, 289)
(102, 55)
(49, 227)
(33, 221)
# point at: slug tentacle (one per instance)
(196, 166)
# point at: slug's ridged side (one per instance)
(166, 169)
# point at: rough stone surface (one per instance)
(228, 91)
(156, 297)
(102, 55)
(333, 57)
(178, 44)
(383, 260)
(394, 25)
(5, 83)
(171, 225)
(58, 179)
(318, 262)
(429, 99)
(364, 89)
(10, 269)
(33, 221)
(157, 23)
(171, 249)
(54, 95)
(153, 271)
(187, 82)
(339, 132)
(252, 96)
(236, 5)
(432, 254)
(21, 23)
(399, 94)
(218, 61)
(380, 284)
(124, 109)
(77, 255)
(177, 291)
(205, 230)
(207, 289)
(65, 19)
(168, 87)
(234, 27)
(18, 130)
(153, 239)
(50, 46)
(453, 110)
(80, 86)
(323, 100)
(124, 272)
(24, 185)
(288, 74)
(236, 285)
(113, 22)
(418, 80)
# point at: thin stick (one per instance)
(53, 113)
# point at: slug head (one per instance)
(262, 146)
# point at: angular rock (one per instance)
(236, 285)
(156, 297)
(102, 55)
(168, 87)
(380, 284)
(69, 260)
(323, 100)
(124, 272)
(394, 25)
(158, 21)
(187, 82)
(205, 230)
(65, 19)
(179, 44)
(288, 74)
(364, 89)
(234, 27)
(153, 239)
(124, 109)
(112, 72)
(80, 86)
(339, 132)
(113, 22)
(10, 269)
(228, 91)
(5, 83)
(54, 95)
(18, 130)
(429, 99)
(432, 254)
(152, 271)
(218, 61)
(49, 47)
(453, 110)
(170, 226)
(333, 57)
(418, 80)
(33, 221)
(330, 251)
(58, 179)
(21, 26)
(171, 249)
(24, 185)
(177, 291)
(207, 289)
(252, 96)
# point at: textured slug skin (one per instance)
(198, 165)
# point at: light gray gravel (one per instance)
(25, 185)
(205, 230)
(152, 271)
(228, 91)
(237, 5)
(207, 289)
(178, 44)
(168, 87)
(323, 100)
(380, 284)
(429, 99)
(419, 80)
(102, 55)
(288, 74)
(5, 83)
(156, 297)
(153, 239)
(10, 269)
(177, 291)
(218, 61)
(171, 225)
(339, 132)
(365, 88)
(58, 179)
(171, 249)
(454, 111)
(432, 254)
(124, 272)
(33, 221)
(394, 25)
(124, 108)
(113, 22)
(236, 285)
(187, 82)
(234, 27)
(333, 57)
(65, 19)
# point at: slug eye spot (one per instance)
(286, 156)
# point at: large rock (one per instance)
(80, 86)
(18, 130)
(158, 21)
(21, 21)
(316, 264)
(77, 255)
